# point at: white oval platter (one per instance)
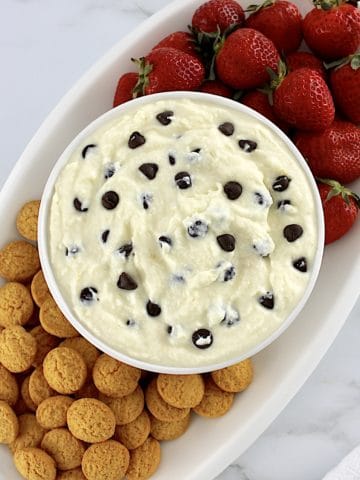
(281, 369)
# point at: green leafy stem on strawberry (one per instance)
(338, 189)
(352, 60)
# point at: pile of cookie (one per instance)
(68, 411)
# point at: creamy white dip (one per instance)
(159, 256)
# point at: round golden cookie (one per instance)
(74, 474)
(168, 430)
(17, 349)
(19, 261)
(144, 460)
(90, 420)
(64, 370)
(25, 394)
(114, 378)
(16, 305)
(87, 391)
(30, 433)
(159, 408)
(9, 390)
(52, 412)
(45, 342)
(127, 408)
(105, 461)
(215, 402)
(27, 220)
(89, 353)
(235, 378)
(9, 425)
(64, 448)
(39, 289)
(35, 464)
(39, 389)
(54, 322)
(134, 434)
(181, 391)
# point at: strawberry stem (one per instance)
(353, 60)
(256, 8)
(338, 189)
(144, 70)
(327, 4)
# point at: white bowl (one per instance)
(44, 232)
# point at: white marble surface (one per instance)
(45, 46)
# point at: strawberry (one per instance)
(125, 87)
(302, 99)
(296, 60)
(244, 57)
(278, 20)
(217, 15)
(182, 41)
(166, 70)
(341, 208)
(259, 101)
(345, 86)
(332, 29)
(215, 87)
(334, 153)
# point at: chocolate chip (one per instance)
(198, 229)
(229, 274)
(110, 200)
(231, 318)
(73, 250)
(300, 264)
(202, 338)
(282, 204)
(293, 232)
(227, 129)
(165, 117)
(88, 294)
(126, 282)
(226, 242)
(105, 236)
(149, 170)
(281, 183)
(136, 140)
(232, 190)
(109, 171)
(78, 206)
(267, 300)
(130, 322)
(146, 199)
(164, 239)
(153, 309)
(183, 180)
(247, 145)
(196, 150)
(126, 250)
(172, 159)
(169, 329)
(86, 149)
(259, 199)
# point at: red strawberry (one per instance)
(167, 70)
(296, 60)
(345, 86)
(243, 59)
(334, 153)
(332, 29)
(215, 87)
(341, 208)
(217, 14)
(125, 87)
(303, 100)
(259, 101)
(182, 41)
(278, 20)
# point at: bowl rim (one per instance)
(43, 244)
